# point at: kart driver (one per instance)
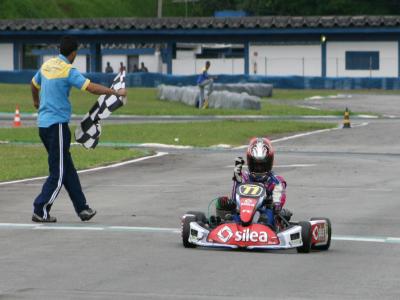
(260, 159)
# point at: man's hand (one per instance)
(121, 92)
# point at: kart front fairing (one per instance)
(254, 236)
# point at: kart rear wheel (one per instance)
(324, 247)
(186, 231)
(200, 217)
(306, 237)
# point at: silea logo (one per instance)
(242, 236)
(225, 234)
(319, 233)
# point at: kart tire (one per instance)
(306, 237)
(200, 217)
(324, 247)
(186, 231)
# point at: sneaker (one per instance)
(37, 218)
(87, 214)
(205, 105)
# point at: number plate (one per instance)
(250, 190)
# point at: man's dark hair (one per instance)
(68, 44)
(207, 62)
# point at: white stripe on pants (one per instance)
(60, 169)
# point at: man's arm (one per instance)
(98, 89)
(35, 96)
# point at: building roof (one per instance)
(269, 22)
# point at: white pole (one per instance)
(337, 67)
(266, 64)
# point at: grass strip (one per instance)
(25, 161)
(143, 101)
(201, 134)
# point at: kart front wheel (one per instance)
(306, 237)
(324, 247)
(186, 231)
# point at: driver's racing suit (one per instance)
(274, 184)
(276, 195)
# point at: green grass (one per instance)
(143, 101)
(193, 133)
(26, 161)
(14, 9)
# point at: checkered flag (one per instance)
(89, 130)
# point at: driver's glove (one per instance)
(276, 197)
(237, 171)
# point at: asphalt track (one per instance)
(131, 249)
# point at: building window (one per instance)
(31, 60)
(362, 60)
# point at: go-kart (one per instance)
(247, 228)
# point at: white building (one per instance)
(321, 46)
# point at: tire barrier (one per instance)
(253, 89)
(218, 99)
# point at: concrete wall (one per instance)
(79, 63)
(6, 57)
(185, 54)
(283, 60)
(388, 59)
(218, 66)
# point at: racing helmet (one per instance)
(260, 157)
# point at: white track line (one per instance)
(105, 228)
(165, 153)
(303, 134)
(93, 169)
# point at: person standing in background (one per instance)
(205, 81)
(109, 69)
(143, 68)
(121, 67)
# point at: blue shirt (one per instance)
(54, 80)
(203, 76)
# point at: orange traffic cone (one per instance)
(17, 118)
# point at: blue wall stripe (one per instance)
(286, 82)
